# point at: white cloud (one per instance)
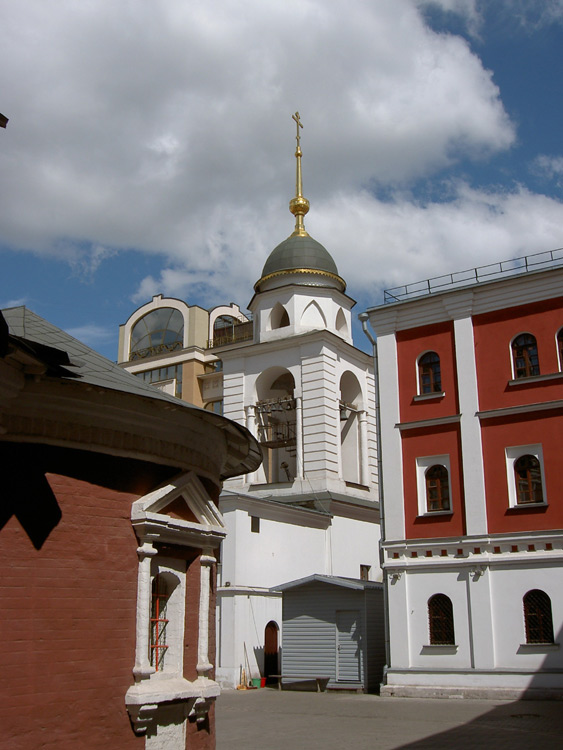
(467, 9)
(18, 302)
(164, 126)
(92, 335)
(150, 125)
(380, 244)
(550, 166)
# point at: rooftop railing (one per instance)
(480, 274)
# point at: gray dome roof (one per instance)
(296, 253)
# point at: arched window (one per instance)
(527, 475)
(159, 621)
(560, 348)
(441, 620)
(279, 317)
(429, 374)
(437, 488)
(161, 330)
(525, 356)
(537, 617)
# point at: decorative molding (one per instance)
(531, 379)
(436, 422)
(520, 409)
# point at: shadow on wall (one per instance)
(268, 664)
(26, 494)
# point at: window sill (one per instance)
(143, 698)
(537, 648)
(429, 396)
(435, 648)
(525, 506)
(431, 513)
(535, 379)
(163, 689)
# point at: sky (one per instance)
(150, 145)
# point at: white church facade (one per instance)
(291, 374)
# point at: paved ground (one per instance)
(274, 720)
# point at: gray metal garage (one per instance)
(333, 627)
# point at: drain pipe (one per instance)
(364, 318)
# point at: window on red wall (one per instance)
(560, 348)
(527, 474)
(429, 374)
(525, 356)
(437, 488)
(537, 617)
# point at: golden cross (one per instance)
(299, 125)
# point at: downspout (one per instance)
(364, 317)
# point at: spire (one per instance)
(298, 205)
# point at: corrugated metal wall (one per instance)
(310, 634)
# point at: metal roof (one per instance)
(348, 583)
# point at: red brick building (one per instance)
(108, 527)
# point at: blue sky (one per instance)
(150, 145)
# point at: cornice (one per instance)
(436, 422)
(292, 342)
(70, 414)
(490, 296)
(509, 411)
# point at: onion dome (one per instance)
(300, 255)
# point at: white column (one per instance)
(399, 635)
(142, 668)
(391, 447)
(203, 664)
(364, 458)
(299, 437)
(250, 415)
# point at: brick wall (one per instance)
(68, 624)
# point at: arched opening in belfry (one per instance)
(350, 443)
(276, 424)
(340, 323)
(279, 317)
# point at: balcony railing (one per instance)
(235, 334)
(480, 274)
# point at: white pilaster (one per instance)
(391, 447)
(142, 669)
(479, 603)
(470, 428)
(203, 664)
(299, 436)
(364, 459)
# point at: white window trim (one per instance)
(513, 453)
(152, 525)
(434, 394)
(422, 464)
(173, 662)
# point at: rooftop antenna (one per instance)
(299, 205)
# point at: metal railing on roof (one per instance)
(490, 272)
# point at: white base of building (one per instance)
(477, 684)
